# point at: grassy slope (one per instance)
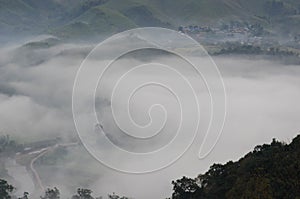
(103, 19)
(96, 20)
(131, 8)
(196, 11)
(15, 13)
(117, 15)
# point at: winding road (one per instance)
(36, 181)
(36, 176)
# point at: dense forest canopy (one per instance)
(269, 171)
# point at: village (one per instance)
(241, 32)
(244, 38)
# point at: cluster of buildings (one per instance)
(231, 32)
(194, 29)
(226, 30)
(237, 32)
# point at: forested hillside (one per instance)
(269, 171)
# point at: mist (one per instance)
(36, 103)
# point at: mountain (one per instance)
(73, 18)
(269, 171)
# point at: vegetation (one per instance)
(285, 54)
(115, 196)
(47, 43)
(83, 194)
(240, 49)
(8, 146)
(270, 171)
(51, 194)
(53, 157)
(5, 189)
(89, 17)
(25, 195)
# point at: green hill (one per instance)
(80, 17)
(270, 171)
(17, 15)
(99, 19)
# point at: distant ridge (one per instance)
(76, 18)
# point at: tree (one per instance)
(83, 194)
(5, 189)
(25, 195)
(270, 171)
(51, 194)
(115, 196)
(7, 145)
(186, 188)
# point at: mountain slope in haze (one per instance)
(69, 18)
(271, 171)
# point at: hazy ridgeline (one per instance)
(35, 104)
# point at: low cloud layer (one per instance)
(35, 103)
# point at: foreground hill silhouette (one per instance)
(269, 171)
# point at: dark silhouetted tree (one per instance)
(51, 194)
(115, 196)
(5, 189)
(83, 194)
(271, 171)
(25, 195)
